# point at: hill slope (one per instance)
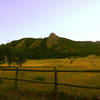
(56, 47)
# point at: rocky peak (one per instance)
(52, 40)
(53, 35)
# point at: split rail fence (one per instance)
(55, 83)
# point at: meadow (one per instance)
(32, 91)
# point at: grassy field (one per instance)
(31, 91)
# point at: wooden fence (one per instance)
(55, 83)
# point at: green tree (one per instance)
(9, 53)
(20, 56)
(2, 54)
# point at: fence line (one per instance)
(55, 71)
(13, 69)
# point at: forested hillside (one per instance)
(55, 47)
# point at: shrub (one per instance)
(39, 78)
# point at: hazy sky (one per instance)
(73, 19)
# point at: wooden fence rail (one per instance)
(55, 83)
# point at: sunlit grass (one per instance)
(87, 79)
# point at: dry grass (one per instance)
(88, 79)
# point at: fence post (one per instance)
(55, 83)
(16, 80)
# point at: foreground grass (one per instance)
(45, 92)
(31, 91)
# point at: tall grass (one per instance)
(31, 91)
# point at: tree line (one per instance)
(12, 55)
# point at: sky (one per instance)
(74, 19)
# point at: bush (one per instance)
(39, 78)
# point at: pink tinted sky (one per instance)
(74, 19)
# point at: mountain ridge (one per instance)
(54, 46)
